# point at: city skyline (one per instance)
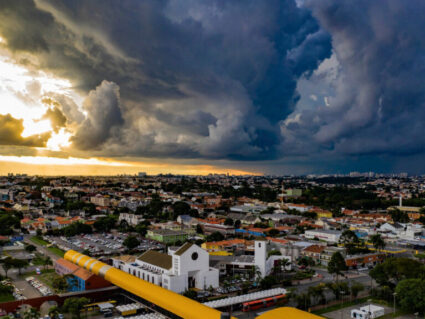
(188, 87)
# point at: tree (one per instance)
(54, 312)
(377, 242)
(350, 240)
(74, 305)
(393, 270)
(86, 252)
(317, 292)
(20, 263)
(190, 294)
(228, 222)
(398, 216)
(30, 248)
(355, 288)
(280, 266)
(46, 261)
(131, 242)
(199, 229)
(306, 261)
(5, 289)
(180, 208)
(337, 288)
(411, 295)
(193, 212)
(216, 236)
(76, 229)
(141, 229)
(273, 232)
(32, 313)
(303, 301)
(60, 284)
(337, 264)
(105, 224)
(274, 252)
(267, 282)
(8, 264)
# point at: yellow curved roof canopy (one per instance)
(166, 299)
(287, 313)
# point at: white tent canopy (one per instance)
(245, 298)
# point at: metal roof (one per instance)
(287, 312)
(244, 298)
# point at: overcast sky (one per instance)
(307, 86)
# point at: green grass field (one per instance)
(47, 278)
(33, 273)
(339, 306)
(6, 297)
(56, 251)
(39, 241)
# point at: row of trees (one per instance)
(404, 277)
(316, 295)
(354, 245)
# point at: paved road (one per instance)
(41, 249)
(26, 289)
(20, 283)
(351, 276)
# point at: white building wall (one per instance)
(270, 263)
(210, 278)
(187, 264)
(334, 238)
(177, 284)
(261, 256)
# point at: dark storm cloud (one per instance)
(11, 130)
(208, 79)
(56, 118)
(103, 117)
(378, 103)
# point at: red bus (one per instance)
(262, 303)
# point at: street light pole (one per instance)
(369, 301)
(394, 294)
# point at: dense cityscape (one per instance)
(242, 242)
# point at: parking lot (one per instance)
(100, 244)
(41, 287)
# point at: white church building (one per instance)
(180, 269)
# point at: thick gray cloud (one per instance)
(56, 118)
(207, 79)
(103, 117)
(376, 102)
(238, 80)
(11, 130)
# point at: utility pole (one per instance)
(394, 294)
